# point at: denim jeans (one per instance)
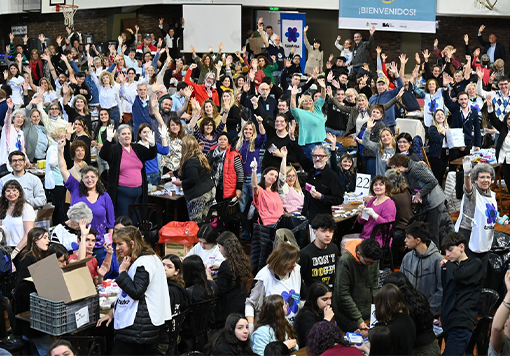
(153, 178)
(115, 115)
(125, 197)
(335, 132)
(456, 341)
(246, 194)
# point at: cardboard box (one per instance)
(180, 250)
(68, 284)
(44, 217)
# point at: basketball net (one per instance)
(69, 11)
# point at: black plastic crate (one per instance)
(58, 318)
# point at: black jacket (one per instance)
(231, 295)
(502, 127)
(462, 285)
(325, 182)
(195, 179)
(471, 126)
(112, 153)
(435, 142)
(142, 331)
(499, 51)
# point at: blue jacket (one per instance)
(435, 142)
(389, 116)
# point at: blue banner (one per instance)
(388, 15)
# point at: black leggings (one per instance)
(58, 197)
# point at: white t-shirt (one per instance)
(212, 257)
(14, 226)
(16, 84)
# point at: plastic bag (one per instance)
(179, 232)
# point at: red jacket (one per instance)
(199, 91)
(229, 172)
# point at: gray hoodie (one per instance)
(424, 273)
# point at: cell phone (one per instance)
(309, 187)
(272, 148)
(108, 238)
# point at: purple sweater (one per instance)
(247, 156)
(103, 215)
(386, 211)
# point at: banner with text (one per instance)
(388, 15)
(292, 25)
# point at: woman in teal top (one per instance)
(312, 128)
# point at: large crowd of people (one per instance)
(262, 127)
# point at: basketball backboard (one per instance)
(49, 6)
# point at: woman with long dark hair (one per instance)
(233, 339)
(178, 296)
(234, 276)
(419, 311)
(38, 241)
(272, 325)
(317, 308)
(143, 305)
(391, 310)
(16, 214)
(199, 285)
(99, 137)
(326, 339)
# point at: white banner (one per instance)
(292, 25)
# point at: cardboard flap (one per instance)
(68, 284)
(48, 279)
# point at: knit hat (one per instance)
(166, 96)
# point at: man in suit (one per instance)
(494, 49)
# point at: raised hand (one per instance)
(479, 73)
(294, 90)
(338, 38)
(403, 58)
(384, 57)
(110, 132)
(417, 58)
(488, 100)
(10, 104)
(322, 82)
(254, 164)
(192, 66)
(305, 29)
(436, 43)
(192, 49)
(151, 138)
(426, 55)
(372, 31)
(378, 50)
(466, 39)
(11, 37)
(370, 123)
(188, 91)
(161, 20)
(482, 27)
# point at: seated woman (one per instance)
(288, 186)
(206, 248)
(380, 209)
(227, 169)
(234, 277)
(272, 325)
(281, 276)
(405, 146)
(233, 339)
(198, 282)
(178, 295)
(67, 232)
(326, 339)
(500, 332)
(391, 311)
(16, 214)
(317, 308)
(419, 311)
(265, 194)
(37, 248)
(60, 252)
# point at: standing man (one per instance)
(172, 40)
(203, 91)
(140, 103)
(318, 259)
(274, 48)
(462, 284)
(356, 278)
(360, 51)
(494, 49)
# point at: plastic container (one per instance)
(58, 318)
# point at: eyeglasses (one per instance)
(319, 156)
(307, 101)
(402, 142)
(20, 160)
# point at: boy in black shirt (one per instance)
(462, 284)
(318, 259)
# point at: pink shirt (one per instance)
(269, 206)
(130, 174)
(386, 211)
(292, 200)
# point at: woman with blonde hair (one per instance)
(79, 106)
(144, 304)
(171, 161)
(288, 186)
(384, 149)
(229, 103)
(108, 92)
(45, 89)
(194, 176)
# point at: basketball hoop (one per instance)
(69, 11)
